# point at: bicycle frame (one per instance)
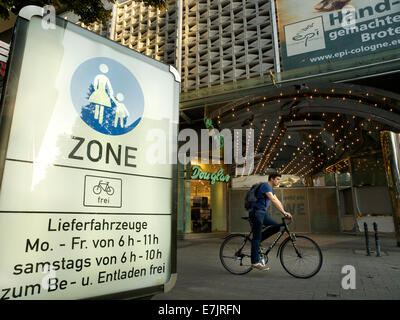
(102, 184)
(285, 230)
(280, 234)
(274, 242)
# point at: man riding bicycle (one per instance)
(259, 217)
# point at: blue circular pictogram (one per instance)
(107, 96)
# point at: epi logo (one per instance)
(305, 36)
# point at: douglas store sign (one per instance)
(219, 176)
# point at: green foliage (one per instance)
(160, 4)
(89, 10)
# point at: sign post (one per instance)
(84, 211)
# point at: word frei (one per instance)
(214, 177)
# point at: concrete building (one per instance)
(222, 41)
(323, 124)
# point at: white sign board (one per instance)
(83, 212)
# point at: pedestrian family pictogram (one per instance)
(107, 96)
(101, 99)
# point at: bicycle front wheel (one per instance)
(301, 258)
(235, 254)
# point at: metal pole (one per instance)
(377, 243)
(179, 37)
(275, 35)
(113, 21)
(184, 199)
(367, 239)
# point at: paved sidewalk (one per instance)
(201, 275)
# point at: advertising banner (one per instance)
(85, 211)
(316, 32)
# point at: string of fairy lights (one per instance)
(260, 137)
(249, 136)
(307, 145)
(303, 164)
(237, 151)
(318, 157)
(341, 166)
(269, 143)
(310, 156)
(278, 139)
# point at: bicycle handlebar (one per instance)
(286, 218)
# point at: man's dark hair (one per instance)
(273, 176)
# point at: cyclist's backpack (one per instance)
(251, 196)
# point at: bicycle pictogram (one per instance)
(103, 186)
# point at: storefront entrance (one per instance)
(200, 206)
(204, 207)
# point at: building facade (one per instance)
(222, 41)
(323, 123)
(327, 126)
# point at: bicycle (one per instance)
(103, 186)
(294, 252)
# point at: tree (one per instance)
(89, 10)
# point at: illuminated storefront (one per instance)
(206, 199)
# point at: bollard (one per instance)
(377, 243)
(367, 239)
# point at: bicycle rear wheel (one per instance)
(235, 254)
(301, 258)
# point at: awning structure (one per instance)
(307, 128)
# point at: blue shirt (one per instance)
(263, 201)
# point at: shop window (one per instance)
(200, 206)
(324, 180)
(368, 171)
(343, 179)
(289, 181)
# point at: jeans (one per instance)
(260, 218)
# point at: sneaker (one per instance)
(260, 267)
